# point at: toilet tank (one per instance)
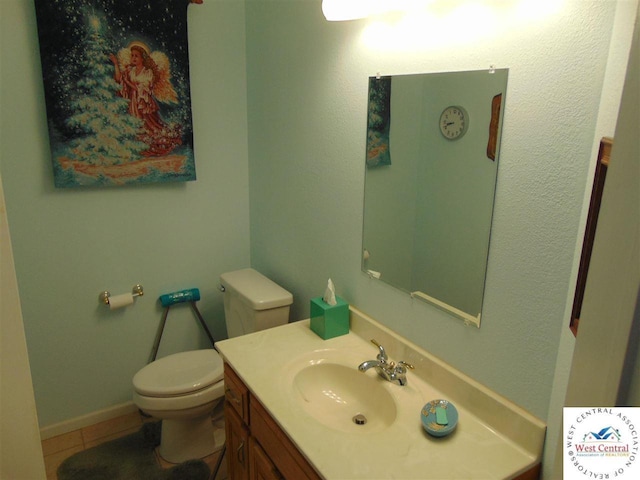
(252, 302)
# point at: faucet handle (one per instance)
(382, 356)
(402, 366)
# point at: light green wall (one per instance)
(307, 94)
(305, 106)
(70, 245)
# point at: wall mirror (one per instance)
(433, 142)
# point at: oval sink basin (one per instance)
(334, 394)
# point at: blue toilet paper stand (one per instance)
(170, 299)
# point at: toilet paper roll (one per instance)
(374, 274)
(119, 301)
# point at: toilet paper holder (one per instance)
(136, 291)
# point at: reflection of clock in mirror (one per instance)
(454, 122)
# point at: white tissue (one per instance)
(330, 294)
(119, 301)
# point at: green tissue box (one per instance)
(329, 321)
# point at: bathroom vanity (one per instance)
(256, 446)
(291, 399)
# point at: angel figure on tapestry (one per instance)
(145, 79)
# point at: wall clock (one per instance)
(454, 122)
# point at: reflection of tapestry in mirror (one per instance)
(379, 122)
(427, 217)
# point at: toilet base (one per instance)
(188, 439)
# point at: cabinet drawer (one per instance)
(236, 393)
(283, 453)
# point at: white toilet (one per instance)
(183, 389)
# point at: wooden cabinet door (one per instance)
(260, 465)
(277, 446)
(237, 436)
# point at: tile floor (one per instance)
(57, 449)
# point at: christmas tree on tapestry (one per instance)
(116, 81)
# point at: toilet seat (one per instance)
(202, 399)
(185, 373)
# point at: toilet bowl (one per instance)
(183, 390)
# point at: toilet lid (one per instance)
(179, 374)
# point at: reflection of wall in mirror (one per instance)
(432, 208)
(390, 197)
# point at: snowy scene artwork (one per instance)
(116, 85)
(378, 122)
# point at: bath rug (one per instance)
(129, 458)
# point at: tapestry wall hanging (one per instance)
(116, 85)
(378, 122)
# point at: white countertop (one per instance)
(494, 439)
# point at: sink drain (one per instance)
(359, 419)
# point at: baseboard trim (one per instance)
(87, 420)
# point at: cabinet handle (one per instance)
(240, 453)
(233, 396)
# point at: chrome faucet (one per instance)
(390, 371)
